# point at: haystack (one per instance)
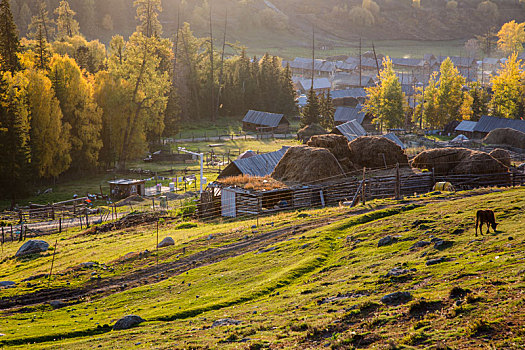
(375, 151)
(442, 160)
(446, 161)
(338, 146)
(302, 164)
(479, 163)
(506, 136)
(502, 155)
(308, 131)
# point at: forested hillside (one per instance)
(289, 21)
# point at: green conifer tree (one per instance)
(311, 111)
(9, 41)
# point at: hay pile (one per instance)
(367, 151)
(338, 146)
(255, 183)
(447, 161)
(506, 136)
(302, 164)
(308, 131)
(502, 155)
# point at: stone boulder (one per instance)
(32, 247)
(127, 322)
(7, 284)
(396, 298)
(225, 322)
(166, 242)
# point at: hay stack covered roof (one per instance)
(506, 136)
(303, 164)
(446, 161)
(376, 151)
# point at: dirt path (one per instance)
(148, 275)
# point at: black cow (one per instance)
(485, 217)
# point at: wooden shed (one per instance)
(265, 121)
(124, 188)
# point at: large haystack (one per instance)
(479, 163)
(442, 160)
(375, 151)
(302, 164)
(338, 146)
(502, 155)
(308, 131)
(446, 161)
(506, 136)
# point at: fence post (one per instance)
(52, 262)
(398, 183)
(3, 239)
(60, 225)
(363, 189)
(11, 232)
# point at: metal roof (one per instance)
(345, 114)
(486, 124)
(351, 130)
(393, 137)
(263, 118)
(352, 79)
(407, 62)
(354, 92)
(126, 182)
(466, 126)
(262, 164)
(319, 83)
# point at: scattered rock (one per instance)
(396, 271)
(32, 246)
(7, 284)
(166, 242)
(396, 298)
(442, 244)
(57, 304)
(435, 261)
(225, 322)
(88, 265)
(386, 241)
(127, 322)
(420, 244)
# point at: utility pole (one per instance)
(212, 82)
(360, 64)
(313, 55)
(377, 63)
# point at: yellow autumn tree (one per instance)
(511, 37)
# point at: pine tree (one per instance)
(287, 103)
(312, 110)
(14, 137)
(67, 26)
(327, 111)
(41, 21)
(9, 41)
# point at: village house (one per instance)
(320, 85)
(486, 124)
(124, 188)
(254, 165)
(348, 97)
(265, 121)
(343, 81)
(346, 114)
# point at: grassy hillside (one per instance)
(309, 279)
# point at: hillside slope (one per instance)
(310, 279)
